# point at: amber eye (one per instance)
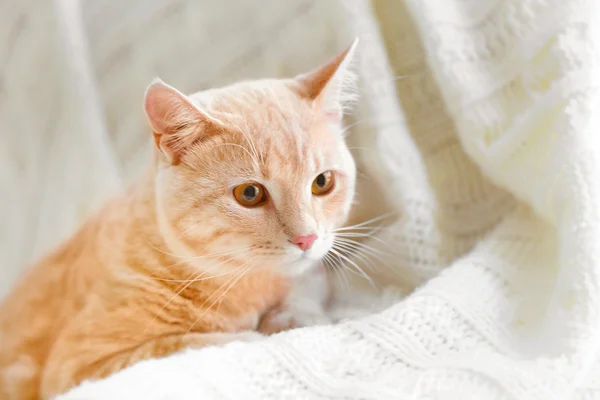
(250, 194)
(323, 183)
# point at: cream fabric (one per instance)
(478, 125)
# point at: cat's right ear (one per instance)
(331, 87)
(176, 122)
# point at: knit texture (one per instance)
(478, 124)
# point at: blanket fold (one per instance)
(478, 121)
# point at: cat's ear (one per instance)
(176, 121)
(331, 87)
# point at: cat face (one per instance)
(256, 174)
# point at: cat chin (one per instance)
(301, 266)
(305, 262)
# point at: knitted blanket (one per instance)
(478, 126)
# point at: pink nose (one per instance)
(305, 242)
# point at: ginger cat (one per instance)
(213, 245)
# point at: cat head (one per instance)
(257, 172)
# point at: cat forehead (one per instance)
(259, 101)
(269, 118)
(277, 152)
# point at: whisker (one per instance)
(231, 281)
(339, 254)
(350, 247)
(215, 266)
(346, 128)
(258, 154)
(229, 287)
(361, 245)
(343, 279)
(249, 141)
(340, 265)
(181, 256)
(183, 287)
(185, 232)
(236, 270)
(236, 252)
(362, 224)
(243, 148)
(358, 236)
(355, 252)
(361, 148)
(360, 230)
(373, 251)
(198, 279)
(362, 176)
(370, 237)
(359, 254)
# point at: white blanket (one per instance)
(479, 121)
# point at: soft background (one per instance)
(478, 125)
(72, 79)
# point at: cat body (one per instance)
(220, 241)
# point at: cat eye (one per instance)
(323, 183)
(250, 194)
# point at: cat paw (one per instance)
(275, 321)
(284, 318)
(248, 336)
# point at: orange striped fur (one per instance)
(175, 261)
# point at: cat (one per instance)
(220, 241)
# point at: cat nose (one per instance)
(305, 242)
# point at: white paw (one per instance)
(309, 317)
(249, 336)
(292, 316)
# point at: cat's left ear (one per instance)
(331, 87)
(177, 123)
